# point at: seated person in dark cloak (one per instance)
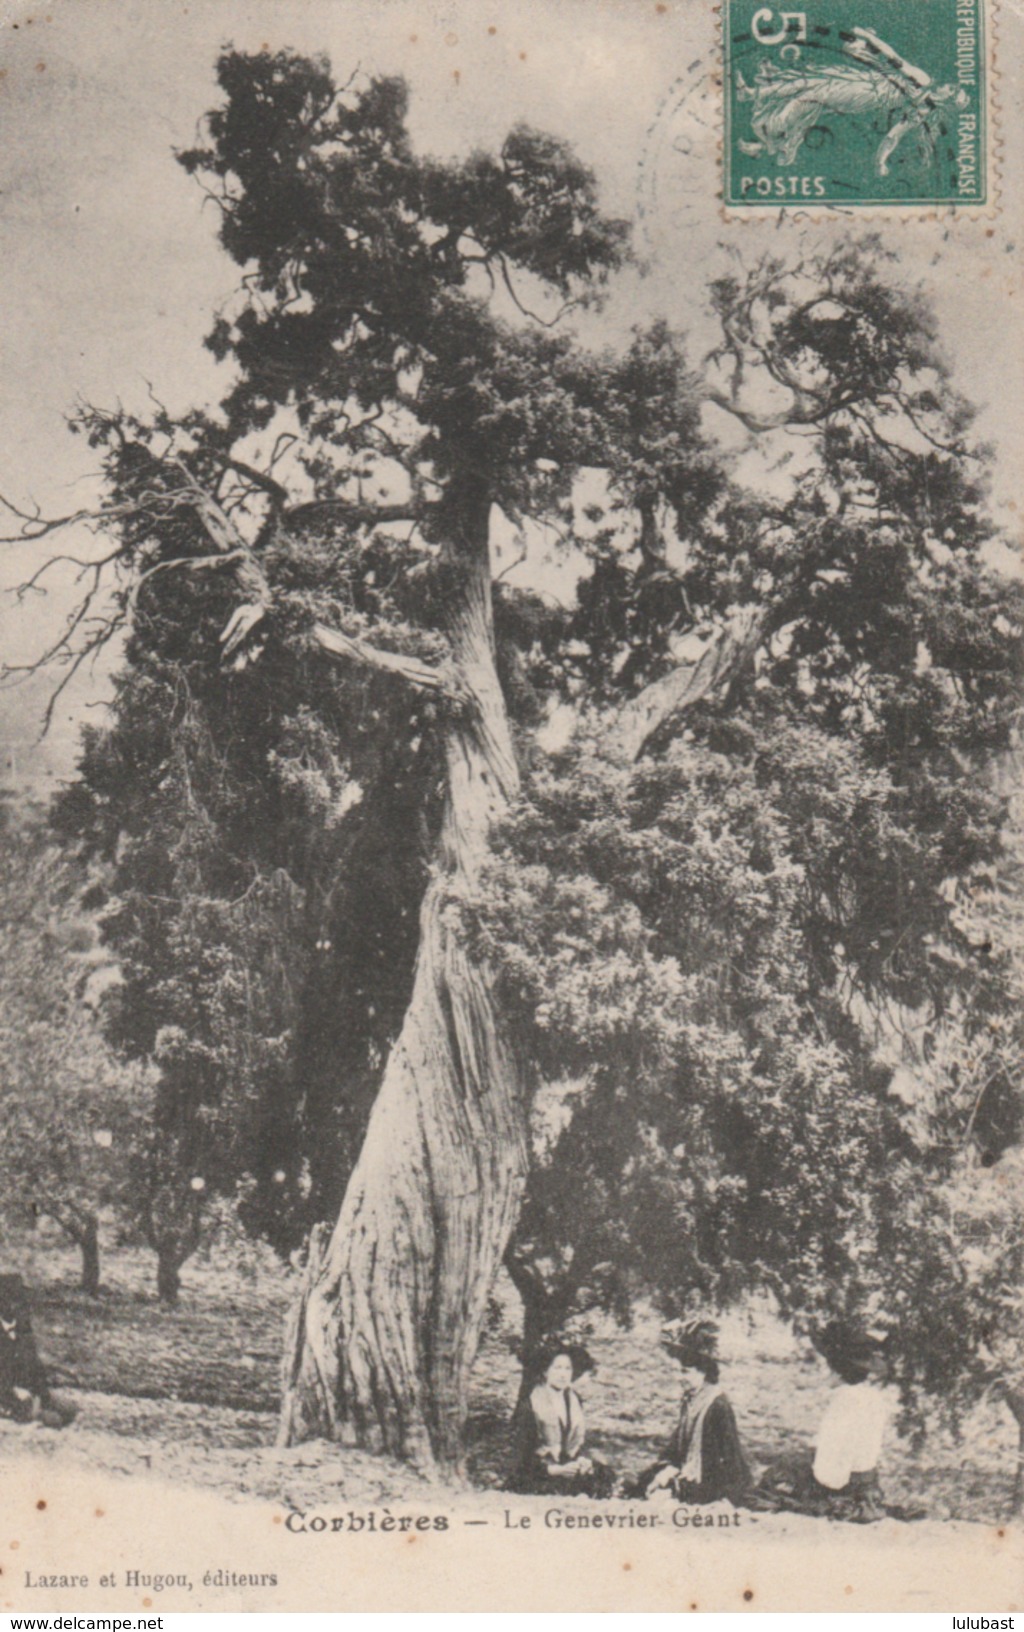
(24, 1390)
(839, 1478)
(549, 1429)
(703, 1461)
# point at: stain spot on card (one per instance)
(41, 1504)
(627, 1566)
(747, 1596)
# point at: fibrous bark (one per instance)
(382, 1337)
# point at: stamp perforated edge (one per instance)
(947, 213)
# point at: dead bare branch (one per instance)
(792, 414)
(424, 676)
(358, 515)
(535, 317)
(191, 563)
(259, 478)
(84, 566)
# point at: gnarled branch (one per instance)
(809, 412)
(411, 669)
(726, 653)
(358, 515)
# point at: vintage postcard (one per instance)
(512, 828)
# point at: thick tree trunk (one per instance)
(539, 1321)
(168, 1280)
(89, 1243)
(173, 1248)
(540, 1318)
(545, 1311)
(382, 1337)
(83, 1229)
(173, 1230)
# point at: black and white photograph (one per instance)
(512, 806)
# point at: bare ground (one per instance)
(188, 1395)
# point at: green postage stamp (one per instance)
(856, 102)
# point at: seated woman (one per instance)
(549, 1430)
(704, 1460)
(840, 1479)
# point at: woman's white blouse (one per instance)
(549, 1406)
(851, 1434)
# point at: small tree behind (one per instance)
(74, 1120)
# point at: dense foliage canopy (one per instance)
(713, 910)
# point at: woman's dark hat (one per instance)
(691, 1342)
(848, 1346)
(541, 1357)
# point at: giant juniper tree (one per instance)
(308, 577)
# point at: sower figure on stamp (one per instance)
(704, 1460)
(789, 102)
(549, 1430)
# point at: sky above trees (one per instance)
(112, 270)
